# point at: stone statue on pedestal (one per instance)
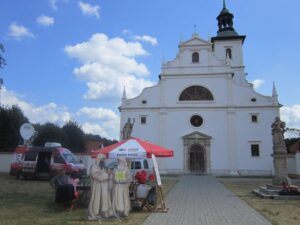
(280, 155)
(127, 129)
(278, 129)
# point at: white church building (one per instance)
(205, 110)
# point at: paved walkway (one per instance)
(203, 200)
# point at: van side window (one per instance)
(136, 165)
(30, 156)
(57, 158)
(146, 166)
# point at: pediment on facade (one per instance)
(196, 135)
(195, 41)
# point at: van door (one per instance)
(43, 164)
(28, 164)
(57, 163)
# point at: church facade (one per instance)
(205, 110)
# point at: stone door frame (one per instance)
(196, 138)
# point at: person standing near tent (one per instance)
(121, 178)
(100, 202)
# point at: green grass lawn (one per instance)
(278, 212)
(32, 202)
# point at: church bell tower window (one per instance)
(228, 53)
(195, 57)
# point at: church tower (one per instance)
(228, 44)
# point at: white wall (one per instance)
(294, 165)
(5, 159)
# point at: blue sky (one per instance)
(69, 59)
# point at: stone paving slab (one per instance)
(203, 200)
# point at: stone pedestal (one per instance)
(280, 162)
(273, 192)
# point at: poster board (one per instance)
(157, 175)
(120, 176)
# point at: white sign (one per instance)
(157, 175)
(130, 149)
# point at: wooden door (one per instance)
(197, 160)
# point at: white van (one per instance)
(136, 165)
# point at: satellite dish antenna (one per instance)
(26, 131)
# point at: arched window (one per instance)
(228, 53)
(195, 57)
(195, 93)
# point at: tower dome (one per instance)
(225, 25)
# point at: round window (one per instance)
(196, 121)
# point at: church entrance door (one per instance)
(196, 148)
(197, 159)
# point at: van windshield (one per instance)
(70, 158)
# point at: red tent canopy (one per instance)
(133, 148)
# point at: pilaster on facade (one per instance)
(232, 144)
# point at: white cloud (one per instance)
(146, 38)
(126, 31)
(291, 115)
(109, 65)
(50, 112)
(53, 3)
(106, 122)
(89, 128)
(99, 113)
(88, 9)
(45, 20)
(100, 121)
(18, 31)
(257, 83)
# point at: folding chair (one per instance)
(151, 199)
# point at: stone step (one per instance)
(260, 194)
(268, 191)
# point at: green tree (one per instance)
(2, 60)
(49, 132)
(96, 137)
(75, 136)
(11, 119)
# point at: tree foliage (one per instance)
(49, 132)
(105, 142)
(2, 60)
(70, 135)
(75, 136)
(289, 142)
(11, 119)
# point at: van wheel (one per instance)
(20, 176)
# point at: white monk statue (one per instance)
(100, 202)
(121, 178)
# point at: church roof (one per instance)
(195, 40)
